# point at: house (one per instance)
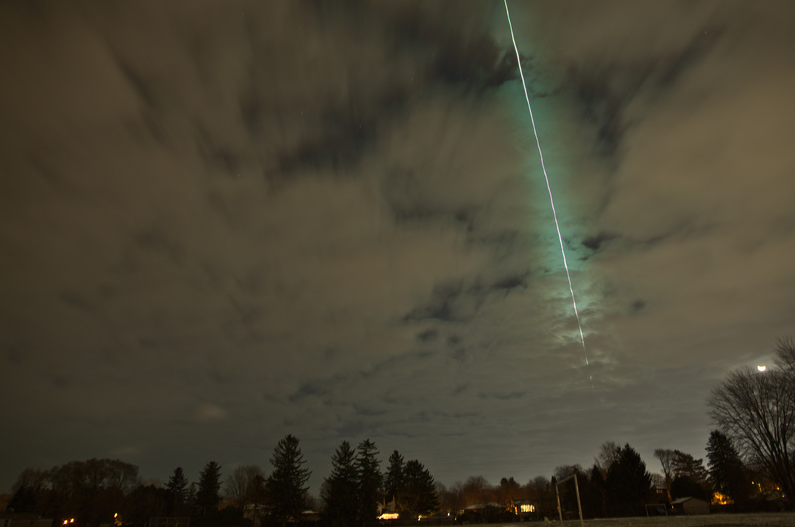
(690, 506)
(525, 509)
(660, 494)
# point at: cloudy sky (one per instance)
(223, 222)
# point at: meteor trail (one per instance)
(549, 189)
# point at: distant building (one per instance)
(660, 494)
(525, 509)
(690, 506)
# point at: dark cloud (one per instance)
(508, 283)
(442, 306)
(595, 242)
(429, 335)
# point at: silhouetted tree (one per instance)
(451, 498)
(566, 490)
(541, 490)
(628, 483)
(29, 491)
(666, 457)
(419, 492)
(178, 489)
(90, 491)
(508, 491)
(339, 492)
(207, 494)
(757, 412)
(785, 357)
(608, 454)
(726, 468)
(600, 491)
(241, 486)
(148, 502)
(394, 479)
(477, 489)
(369, 480)
(686, 465)
(286, 486)
(729, 476)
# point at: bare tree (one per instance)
(666, 457)
(477, 489)
(757, 411)
(452, 498)
(242, 485)
(608, 454)
(785, 356)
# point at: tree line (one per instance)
(751, 462)
(106, 491)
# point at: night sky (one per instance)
(223, 222)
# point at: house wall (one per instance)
(695, 506)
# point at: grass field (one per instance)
(761, 519)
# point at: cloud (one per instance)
(210, 412)
(330, 221)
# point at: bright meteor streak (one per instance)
(549, 189)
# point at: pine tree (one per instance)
(628, 482)
(394, 480)
(178, 490)
(420, 490)
(727, 470)
(690, 477)
(209, 485)
(600, 490)
(285, 487)
(369, 480)
(339, 491)
(688, 466)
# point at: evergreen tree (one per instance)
(207, 495)
(339, 491)
(394, 480)
(178, 489)
(690, 477)
(420, 491)
(628, 483)
(191, 494)
(686, 465)
(600, 491)
(285, 487)
(725, 467)
(369, 480)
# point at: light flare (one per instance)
(549, 190)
